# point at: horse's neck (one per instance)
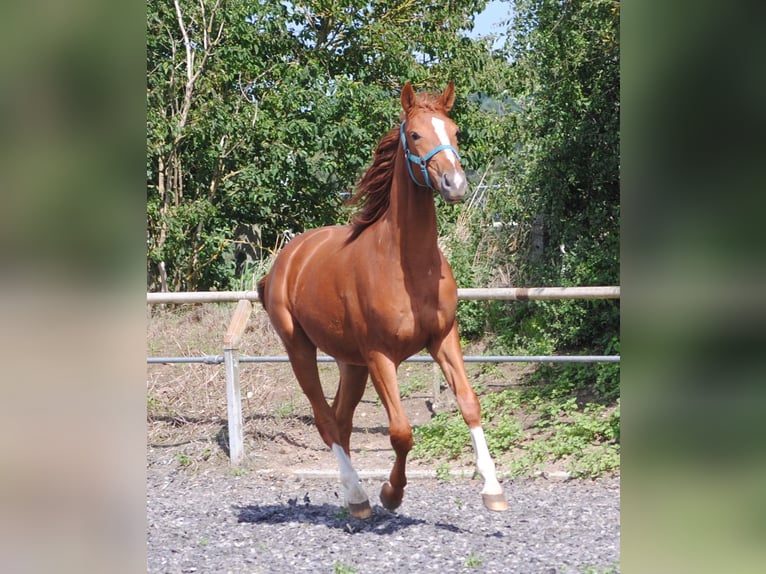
(412, 217)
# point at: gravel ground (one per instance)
(214, 520)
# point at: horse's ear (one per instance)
(408, 97)
(447, 99)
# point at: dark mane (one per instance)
(374, 189)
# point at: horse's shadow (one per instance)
(382, 521)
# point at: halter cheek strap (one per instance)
(422, 161)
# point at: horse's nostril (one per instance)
(453, 183)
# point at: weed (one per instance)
(239, 471)
(183, 459)
(504, 434)
(596, 461)
(341, 568)
(445, 436)
(342, 514)
(599, 570)
(286, 409)
(473, 560)
(152, 403)
(412, 385)
(443, 471)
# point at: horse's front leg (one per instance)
(350, 391)
(383, 374)
(448, 354)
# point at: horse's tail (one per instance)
(262, 290)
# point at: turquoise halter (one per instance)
(422, 161)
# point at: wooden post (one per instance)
(231, 342)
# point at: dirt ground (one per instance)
(186, 403)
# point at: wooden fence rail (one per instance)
(500, 293)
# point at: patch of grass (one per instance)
(585, 438)
(445, 436)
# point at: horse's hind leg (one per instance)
(302, 354)
(450, 358)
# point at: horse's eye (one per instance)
(415, 136)
(457, 134)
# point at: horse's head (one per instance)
(429, 140)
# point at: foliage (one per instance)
(599, 382)
(587, 438)
(547, 211)
(445, 436)
(567, 165)
(265, 114)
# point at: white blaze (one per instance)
(441, 133)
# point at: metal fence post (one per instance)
(231, 342)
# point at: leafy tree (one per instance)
(567, 62)
(266, 113)
(549, 210)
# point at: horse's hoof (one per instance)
(391, 497)
(360, 509)
(495, 502)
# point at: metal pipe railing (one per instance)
(218, 359)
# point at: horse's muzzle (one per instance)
(452, 185)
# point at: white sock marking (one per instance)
(348, 477)
(484, 462)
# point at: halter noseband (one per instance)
(422, 161)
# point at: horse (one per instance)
(374, 292)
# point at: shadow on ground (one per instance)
(382, 521)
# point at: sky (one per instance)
(489, 21)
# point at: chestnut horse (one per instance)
(377, 291)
